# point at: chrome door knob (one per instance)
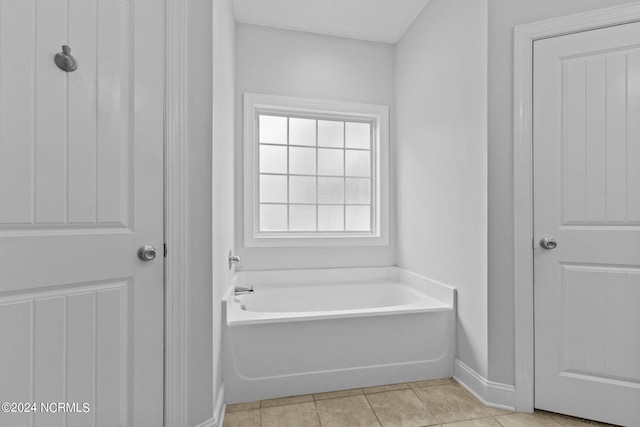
(147, 253)
(548, 243)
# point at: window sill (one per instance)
(306, 241)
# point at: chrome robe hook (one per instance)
(65, 61)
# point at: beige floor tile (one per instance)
(450, 403)
(565, 420)
(334, 394)
(478, 422)
(496, 411)
(429, 383)
(352, 411)
(249, 418)
(296, 415)
(243, 406)
(400, 408)
(286, 401)
(520, 419)
(381, 388)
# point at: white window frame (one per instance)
(254, 104)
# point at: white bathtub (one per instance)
(309, 331)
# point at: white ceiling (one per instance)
(375, 20)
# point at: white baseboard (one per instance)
(220, 408)
(211, 422)
(492, 394)
(218, 411)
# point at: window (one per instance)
(316, 172)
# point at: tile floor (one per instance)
(416, 404)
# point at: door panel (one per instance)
(586, 195)
(80, 335)
(81, 188)
(66, 137)
(592, 300)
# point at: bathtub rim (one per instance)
(433, 296)
(434, 288)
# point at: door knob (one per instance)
(147, 253)
(548, 243)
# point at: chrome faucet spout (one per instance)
(241, 290)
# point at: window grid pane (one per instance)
(346, 209)
(316, 209)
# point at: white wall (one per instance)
(223, 78)
(504, 15)
(290, 63)
(440, 79)
(441, 160)
(197, 287)
(209, 200)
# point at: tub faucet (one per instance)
(233, 259)
(240, 290)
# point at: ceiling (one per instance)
(374, 20)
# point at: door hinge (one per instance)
(165, 249)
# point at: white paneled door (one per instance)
(587, 198)
(81, 189)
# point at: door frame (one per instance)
(524, 37)
(175, 44)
